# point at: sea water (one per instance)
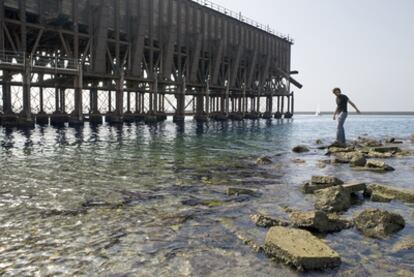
(142, 200)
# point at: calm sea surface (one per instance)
(151, 201)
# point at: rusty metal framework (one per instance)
(131, 60)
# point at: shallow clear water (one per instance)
(151, 201)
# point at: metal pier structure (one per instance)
(67, 61)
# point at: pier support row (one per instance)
(143, 105)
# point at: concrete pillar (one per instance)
(7, 106)
(180, 112)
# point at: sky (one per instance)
(365, 47)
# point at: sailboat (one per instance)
(318, 111)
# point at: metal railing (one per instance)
(242, 18)
(12, 58)
(52, 62)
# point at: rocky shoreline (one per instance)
(296, 241)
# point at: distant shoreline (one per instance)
(364, 113)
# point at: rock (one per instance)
(378, 166)
(333, 199)
(342, 158)
(406, 243)
(319, 141)
(241, 191)
(358, 160)
(369, 142)
(318, 221)
(266, 221)
(394, 141)
(332, 150)
(412, 138)
(265, 160)
(326, 180)
(386, 149)
(300, 249)
(405, 153)
(321, 182)
(337, 144)
(323, 163)
(300, 149)
(378, 155)
(298, 161)
(378, 224)
(355, 187)
(384, 193)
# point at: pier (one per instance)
(71, 61)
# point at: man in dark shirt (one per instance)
(342, 113)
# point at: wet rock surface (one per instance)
(265, 160)
(242, 191)
(321, 182)
(318, 221)
(300, 149)
(264, 221)
(333, 199)
(300, 249)
(377, 223)
(376, 166)
(406, 243)
(386, 193)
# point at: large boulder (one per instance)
(333, 199)
(264, 221)
(318, 221)
(385, 193)
(300, 249)
(378, 224)
(300, 149)
(321, 182)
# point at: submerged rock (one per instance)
(321, 182)
(300, 249)
(384, 193)
(265, 160)
(266, 221)
(333, 199)
(241, 191)
(319, 221)
(298, 161)
(406, 243)
(319, 142)
(378, 224)
(324, 163)
(300, 149)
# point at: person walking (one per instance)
(341, 113)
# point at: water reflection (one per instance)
(152, 200)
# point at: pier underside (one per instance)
(67, 61)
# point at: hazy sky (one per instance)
(366, 47)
